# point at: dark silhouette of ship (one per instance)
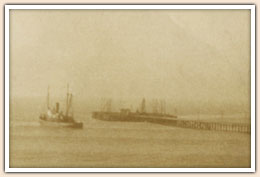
(126, 115)
(55, 118)
(159, 116)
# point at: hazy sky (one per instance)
(181, 55)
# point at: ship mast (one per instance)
(143, 106)
(67, 100)
(71, 104)
(48, 97)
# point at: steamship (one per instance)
(56, 118)
(125, 115)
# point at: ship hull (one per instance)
(61, 124)
(132, 117)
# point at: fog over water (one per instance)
(197, 61)
(188, 57)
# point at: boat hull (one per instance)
(61, 124)
(133, 117)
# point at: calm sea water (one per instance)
(120, 144)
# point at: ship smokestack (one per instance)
(57, 107)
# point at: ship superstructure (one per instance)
(56, 117)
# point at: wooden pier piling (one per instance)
(216, 126)
(176, 122)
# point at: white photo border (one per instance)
(136, 170)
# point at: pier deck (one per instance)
(176, 122)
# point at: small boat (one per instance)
(55, 118)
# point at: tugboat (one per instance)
(56, 118)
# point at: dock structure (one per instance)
(127, 116)
(217, 126)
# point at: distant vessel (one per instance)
(125, 115)
(55, 118)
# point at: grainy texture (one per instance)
(197, 61)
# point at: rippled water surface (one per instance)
(121, 144)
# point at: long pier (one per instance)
(176, 122)
(217, 126)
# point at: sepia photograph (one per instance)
(129, 87)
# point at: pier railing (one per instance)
(175, 122)
(231, 127)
